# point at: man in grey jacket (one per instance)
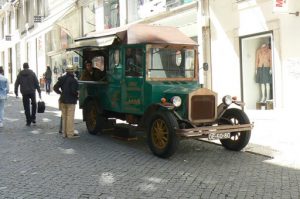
(28, 84)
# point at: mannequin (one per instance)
(263, 71)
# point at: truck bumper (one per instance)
(203, 132)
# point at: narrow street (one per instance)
(36, 162)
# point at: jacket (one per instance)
(4, 87)
(94, 75)
(28, 82)
(48, 74)
(67, 87)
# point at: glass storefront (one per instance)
(257, 71)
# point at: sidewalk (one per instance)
(275, 132)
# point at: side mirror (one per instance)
(205, 66)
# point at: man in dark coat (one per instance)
(28, 83)
(67, 86)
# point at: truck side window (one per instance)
(115, 66)
(133, 62)
(94, 70)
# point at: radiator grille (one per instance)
(202, 107)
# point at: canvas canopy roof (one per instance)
(134, 34)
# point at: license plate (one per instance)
(218, 136)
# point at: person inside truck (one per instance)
(90, 73)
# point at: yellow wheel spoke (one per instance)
(160, 134)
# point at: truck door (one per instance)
(133, 84)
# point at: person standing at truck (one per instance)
(67, 87)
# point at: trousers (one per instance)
(2, 101)
(68, 111)
(30, 116)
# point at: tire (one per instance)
(238, 140)
(93, 119)
(161, 134)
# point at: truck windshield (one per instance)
(171, 63)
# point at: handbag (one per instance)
(41, 106)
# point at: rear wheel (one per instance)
(93, 119)
(237, 140)
(161, 132)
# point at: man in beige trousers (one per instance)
(67, 87)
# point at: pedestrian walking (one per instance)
(67, 87)
(4, 89)
(48, 79)
(28, 83)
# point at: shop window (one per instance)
(111, 14)
(257, 71)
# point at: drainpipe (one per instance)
(206, 43)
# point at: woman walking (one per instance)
(48, 79)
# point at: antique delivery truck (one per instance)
(150, 80)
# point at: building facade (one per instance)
(229, 32)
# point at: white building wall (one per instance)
(230, 20)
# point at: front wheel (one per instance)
(161, 133)
(237, 140)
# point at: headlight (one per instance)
(176, 101)
(227, 100)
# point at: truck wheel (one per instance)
(237, 140)
(161, 133)
(93, 119)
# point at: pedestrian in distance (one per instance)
(4, 89)
(28, 83)
(67, 86)
(48, 79)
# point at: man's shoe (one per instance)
(33, 122)
(74, 136)
(28, 124)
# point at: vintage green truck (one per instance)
(151, 82)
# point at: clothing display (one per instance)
(264, 75)
(263, 70)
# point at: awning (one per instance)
(136, 34)
(93, 43)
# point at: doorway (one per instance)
(256, 70)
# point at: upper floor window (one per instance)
(2, 28)
(89, 23)
(27, 7)
(111, 14)
(139, 9)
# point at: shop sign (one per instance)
(280, 5)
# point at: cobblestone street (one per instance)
(36, 162)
